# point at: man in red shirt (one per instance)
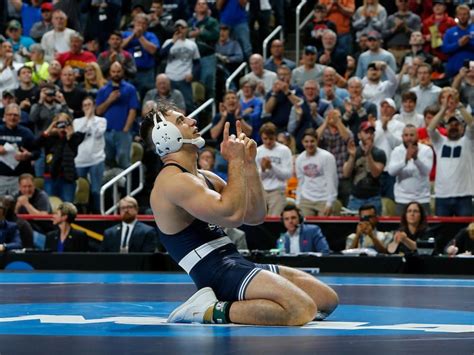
(76, 57)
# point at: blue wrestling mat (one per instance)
(88, 313)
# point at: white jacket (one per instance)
(92, 149)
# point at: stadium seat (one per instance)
(55, 201)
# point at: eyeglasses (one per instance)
(129, 207)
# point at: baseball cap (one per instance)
(372, 65)
(310, 49)
(374, 35)
(455, 118)
(366, 125)
(181, 23)
(6, 93)
(14, 24)
(438, 2)
(47, 6)
(390, 102)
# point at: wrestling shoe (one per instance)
(192, 311)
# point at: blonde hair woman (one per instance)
(93, 78)
(371, 16)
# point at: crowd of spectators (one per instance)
(377, 107)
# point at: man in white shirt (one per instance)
(388, 135)
(59, 38)
(317, 177)
(375, 90)
(410, 163)
(454, 184)
(264, 78)
(274, 162)
(309, 70)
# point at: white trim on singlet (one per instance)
(245, 283)
(191, 259)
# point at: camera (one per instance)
(62, 124)
(50, 92)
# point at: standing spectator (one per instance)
(458, 42)
(434, 28)
(90, 159)
(371, 16)
(374, 53)
(319, 23)
(93, 79)
(398, 28)
(264, 78)
(118, 103)
(251, 107)
(204, 29)
(367, 235)
(39, 65)
(60, 143)
(71, 92)
(103, 17)
(9, 233)
(131, 235)
(317, 177)
(76, 57)
(233, 14)
(182, 65)
(260, 12)
(454, 184)
(334, 137)
(364, 166)
(274, 162)
(228, 51)
(27, 93)
(388, 135)
(332, 55)
(16, 148)
(30, 13)
(309, 70)
(143, 45)
(329, 91)
(44, 24)
(277, 57)
(340, 12)
(301, 237)
(408, 114)
(376, 89)
(281, 98)
(8, 67)
(59, 38)
(464, 83)
(163, 91)
(160, 24)
(115, 53)
(410, 163)
(426, 92)
(307, 113)
(64, 238)
(416, 50)
(356, 108)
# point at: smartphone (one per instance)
(409, 60)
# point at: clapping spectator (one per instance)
(371, 16)
(38, 64)
(413, 226)
(44, 24)
(115, 53)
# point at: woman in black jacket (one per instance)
(60, 143)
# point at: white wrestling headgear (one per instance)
(168, 139)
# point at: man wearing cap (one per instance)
(21, 44)
(142, 45)
(59, 38)
(398, 28)
(182, 62)
(374, 53)
(228, 52)
(364, 166)
(454, 183)
(376, 89)
(388, 135)
(30, 13)
(44, 24)
(309, 70)
(410, 163)
(204, 29)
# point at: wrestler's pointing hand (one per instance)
(232, 148)
(250, 144)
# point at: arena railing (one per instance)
(114, 184)
(200, 109)
(234, 75)
(299, 27)
(269, 38)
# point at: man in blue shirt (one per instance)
(117, 101)
(301, 237)
(142, 45)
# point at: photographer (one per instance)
(367, 235)
(60, 143)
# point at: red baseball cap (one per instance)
(366, 125)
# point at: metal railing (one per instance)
(269, 38)
(234, 75)
(299, 26)
(114, 184)
(201, 108)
